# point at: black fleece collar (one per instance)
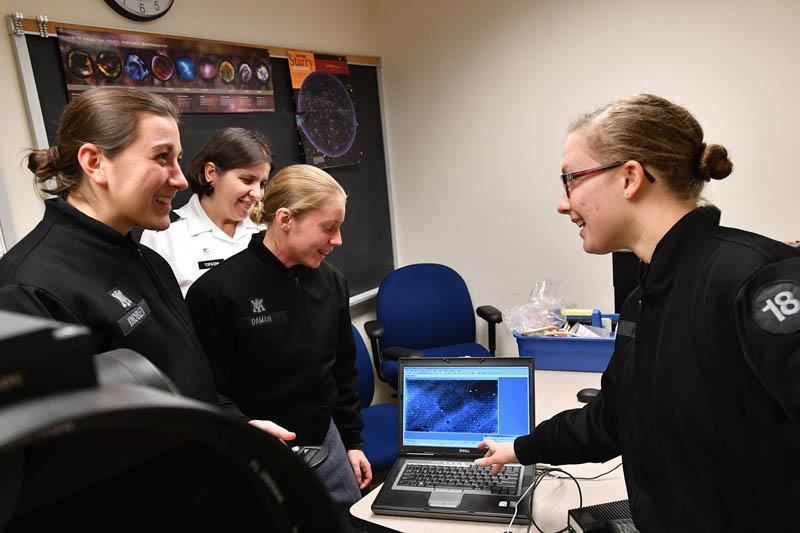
(265, 256)
(674, 246)
(58, 211)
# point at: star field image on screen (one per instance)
(463, 406)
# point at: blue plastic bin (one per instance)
(568, 353)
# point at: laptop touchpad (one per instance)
(445, 498)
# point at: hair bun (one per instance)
(714, 163)
(45, 163)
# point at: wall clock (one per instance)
(141, 10)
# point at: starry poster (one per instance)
(325, 113)
(197, 76)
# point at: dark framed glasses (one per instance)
(568, 177)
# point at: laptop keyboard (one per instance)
(459, 475)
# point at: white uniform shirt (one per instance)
(193, 243)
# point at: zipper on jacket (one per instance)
(639, 325)
(165, 297)
(306, 320)
(160, 288)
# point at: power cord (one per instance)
(516, 505)
(545, 473)
(542, 474)
(598, 476)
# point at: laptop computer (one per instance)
(446, 407)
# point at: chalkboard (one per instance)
(367, 254)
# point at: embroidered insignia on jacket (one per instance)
(258, 305)
(120, 297)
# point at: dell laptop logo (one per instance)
(463, 450)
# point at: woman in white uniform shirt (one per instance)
(227, 176)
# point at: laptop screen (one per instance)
(448, 405)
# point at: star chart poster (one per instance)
(325, 112)
(197, 76)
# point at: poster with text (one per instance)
(197, 76)
(325, 112)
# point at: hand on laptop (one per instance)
(274, 429)
(361, 467)
(497, 454)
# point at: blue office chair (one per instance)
(425, 310)
(380, 421)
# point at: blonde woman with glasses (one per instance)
(700, 397)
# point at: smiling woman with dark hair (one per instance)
(114, 167)
(228, 176)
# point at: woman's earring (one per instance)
(626, 194)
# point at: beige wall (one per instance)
(478, 95)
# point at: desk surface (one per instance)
(555, 391)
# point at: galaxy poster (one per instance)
(325, 112)
(197, 76)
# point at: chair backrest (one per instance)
(423, 306)
(366, 382)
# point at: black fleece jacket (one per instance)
(76, 269)
(279, 342)
(701, 396)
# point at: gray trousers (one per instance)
(336, 475)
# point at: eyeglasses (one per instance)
(568, 177)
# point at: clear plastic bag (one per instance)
(541, 311)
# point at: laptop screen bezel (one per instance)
(420, 362)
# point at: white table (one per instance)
(554, 392)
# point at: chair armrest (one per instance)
(587, 395)
(490, 314)
(393, 353)
(374, 329)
